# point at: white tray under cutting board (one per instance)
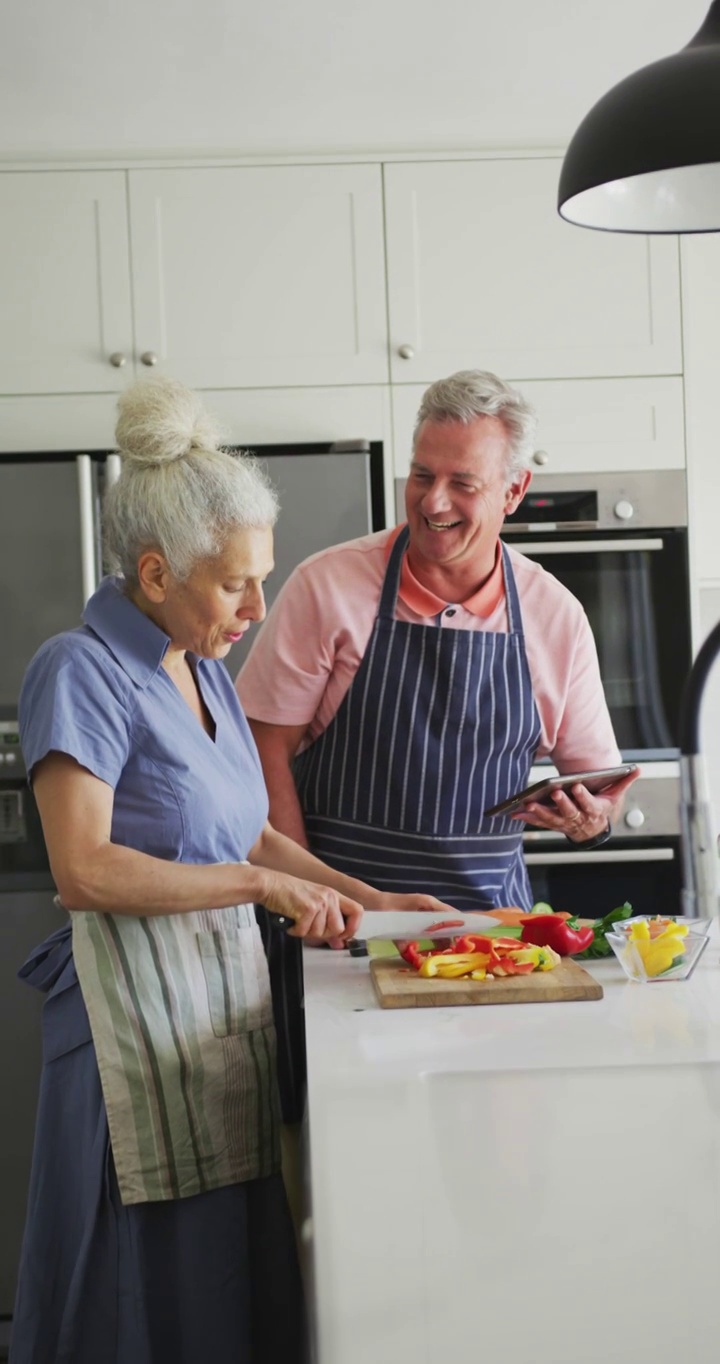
(399, 987)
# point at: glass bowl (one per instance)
(647, 967)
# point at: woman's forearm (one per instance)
(117, 880)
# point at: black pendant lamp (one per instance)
(647, 156)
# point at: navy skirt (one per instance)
(212, 1277)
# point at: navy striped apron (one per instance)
(438, 725)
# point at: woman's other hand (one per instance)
(418, 904)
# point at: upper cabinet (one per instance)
(241, 278)
(483, 273)
(256, 277)
(263, 275)
(64, 282)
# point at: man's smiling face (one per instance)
(458, 494)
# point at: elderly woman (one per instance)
(157, 1227)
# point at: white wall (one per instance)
(359, 75)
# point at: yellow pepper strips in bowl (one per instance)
(657, 953)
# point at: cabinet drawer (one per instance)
(583, 425)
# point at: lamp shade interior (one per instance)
(679, 199)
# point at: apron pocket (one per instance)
(238, 986)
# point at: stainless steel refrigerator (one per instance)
(50, 562)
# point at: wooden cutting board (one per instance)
(399, 988)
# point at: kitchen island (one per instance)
(535, 1184)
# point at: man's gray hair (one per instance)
(473, 393)
(179, 491)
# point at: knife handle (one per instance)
(280, 923)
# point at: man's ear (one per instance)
(517, 490)
(153, 575)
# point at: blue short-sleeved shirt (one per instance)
(101, 695)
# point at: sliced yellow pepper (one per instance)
(658, 953)
(449, 968)
(542, 958)
(453, 963)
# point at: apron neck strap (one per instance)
(512, 600)
(391, 582)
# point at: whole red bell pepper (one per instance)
(550, 930)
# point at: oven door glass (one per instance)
(647, 873)
(635, 590)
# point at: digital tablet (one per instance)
(541, 790)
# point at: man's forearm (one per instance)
(276, 851)
(277, 746)
(285, 813)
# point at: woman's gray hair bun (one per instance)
(179, 491)
(160, 421)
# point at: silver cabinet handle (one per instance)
(406, 352)
(117, 359)
(541, 457)
(149, 357)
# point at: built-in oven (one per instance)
(619, 542)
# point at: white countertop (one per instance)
(515, 1181)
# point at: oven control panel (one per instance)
(616, 501)
(11, 758)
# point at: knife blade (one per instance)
(398, 923)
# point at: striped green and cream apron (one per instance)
(181, 1018)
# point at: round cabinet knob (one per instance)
(406, 352)
(624, 510)
(635, 818)
(149, 357)
(117, 359)
(541, 457)
(11, 758)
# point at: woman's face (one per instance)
(208, 612)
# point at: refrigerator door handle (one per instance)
(83, 464)
(113, 465)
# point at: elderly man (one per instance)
(405, 682)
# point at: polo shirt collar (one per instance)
(132, 638)
(424, 602)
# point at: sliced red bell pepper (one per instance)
(517, 968)
(410, 952)
(473, 942)
(551, 930)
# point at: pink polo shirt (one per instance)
(308, 650)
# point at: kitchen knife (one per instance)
(392, 923)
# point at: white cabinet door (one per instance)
(273, 275)
(584, 425)
(64, 282)
(484, 274)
